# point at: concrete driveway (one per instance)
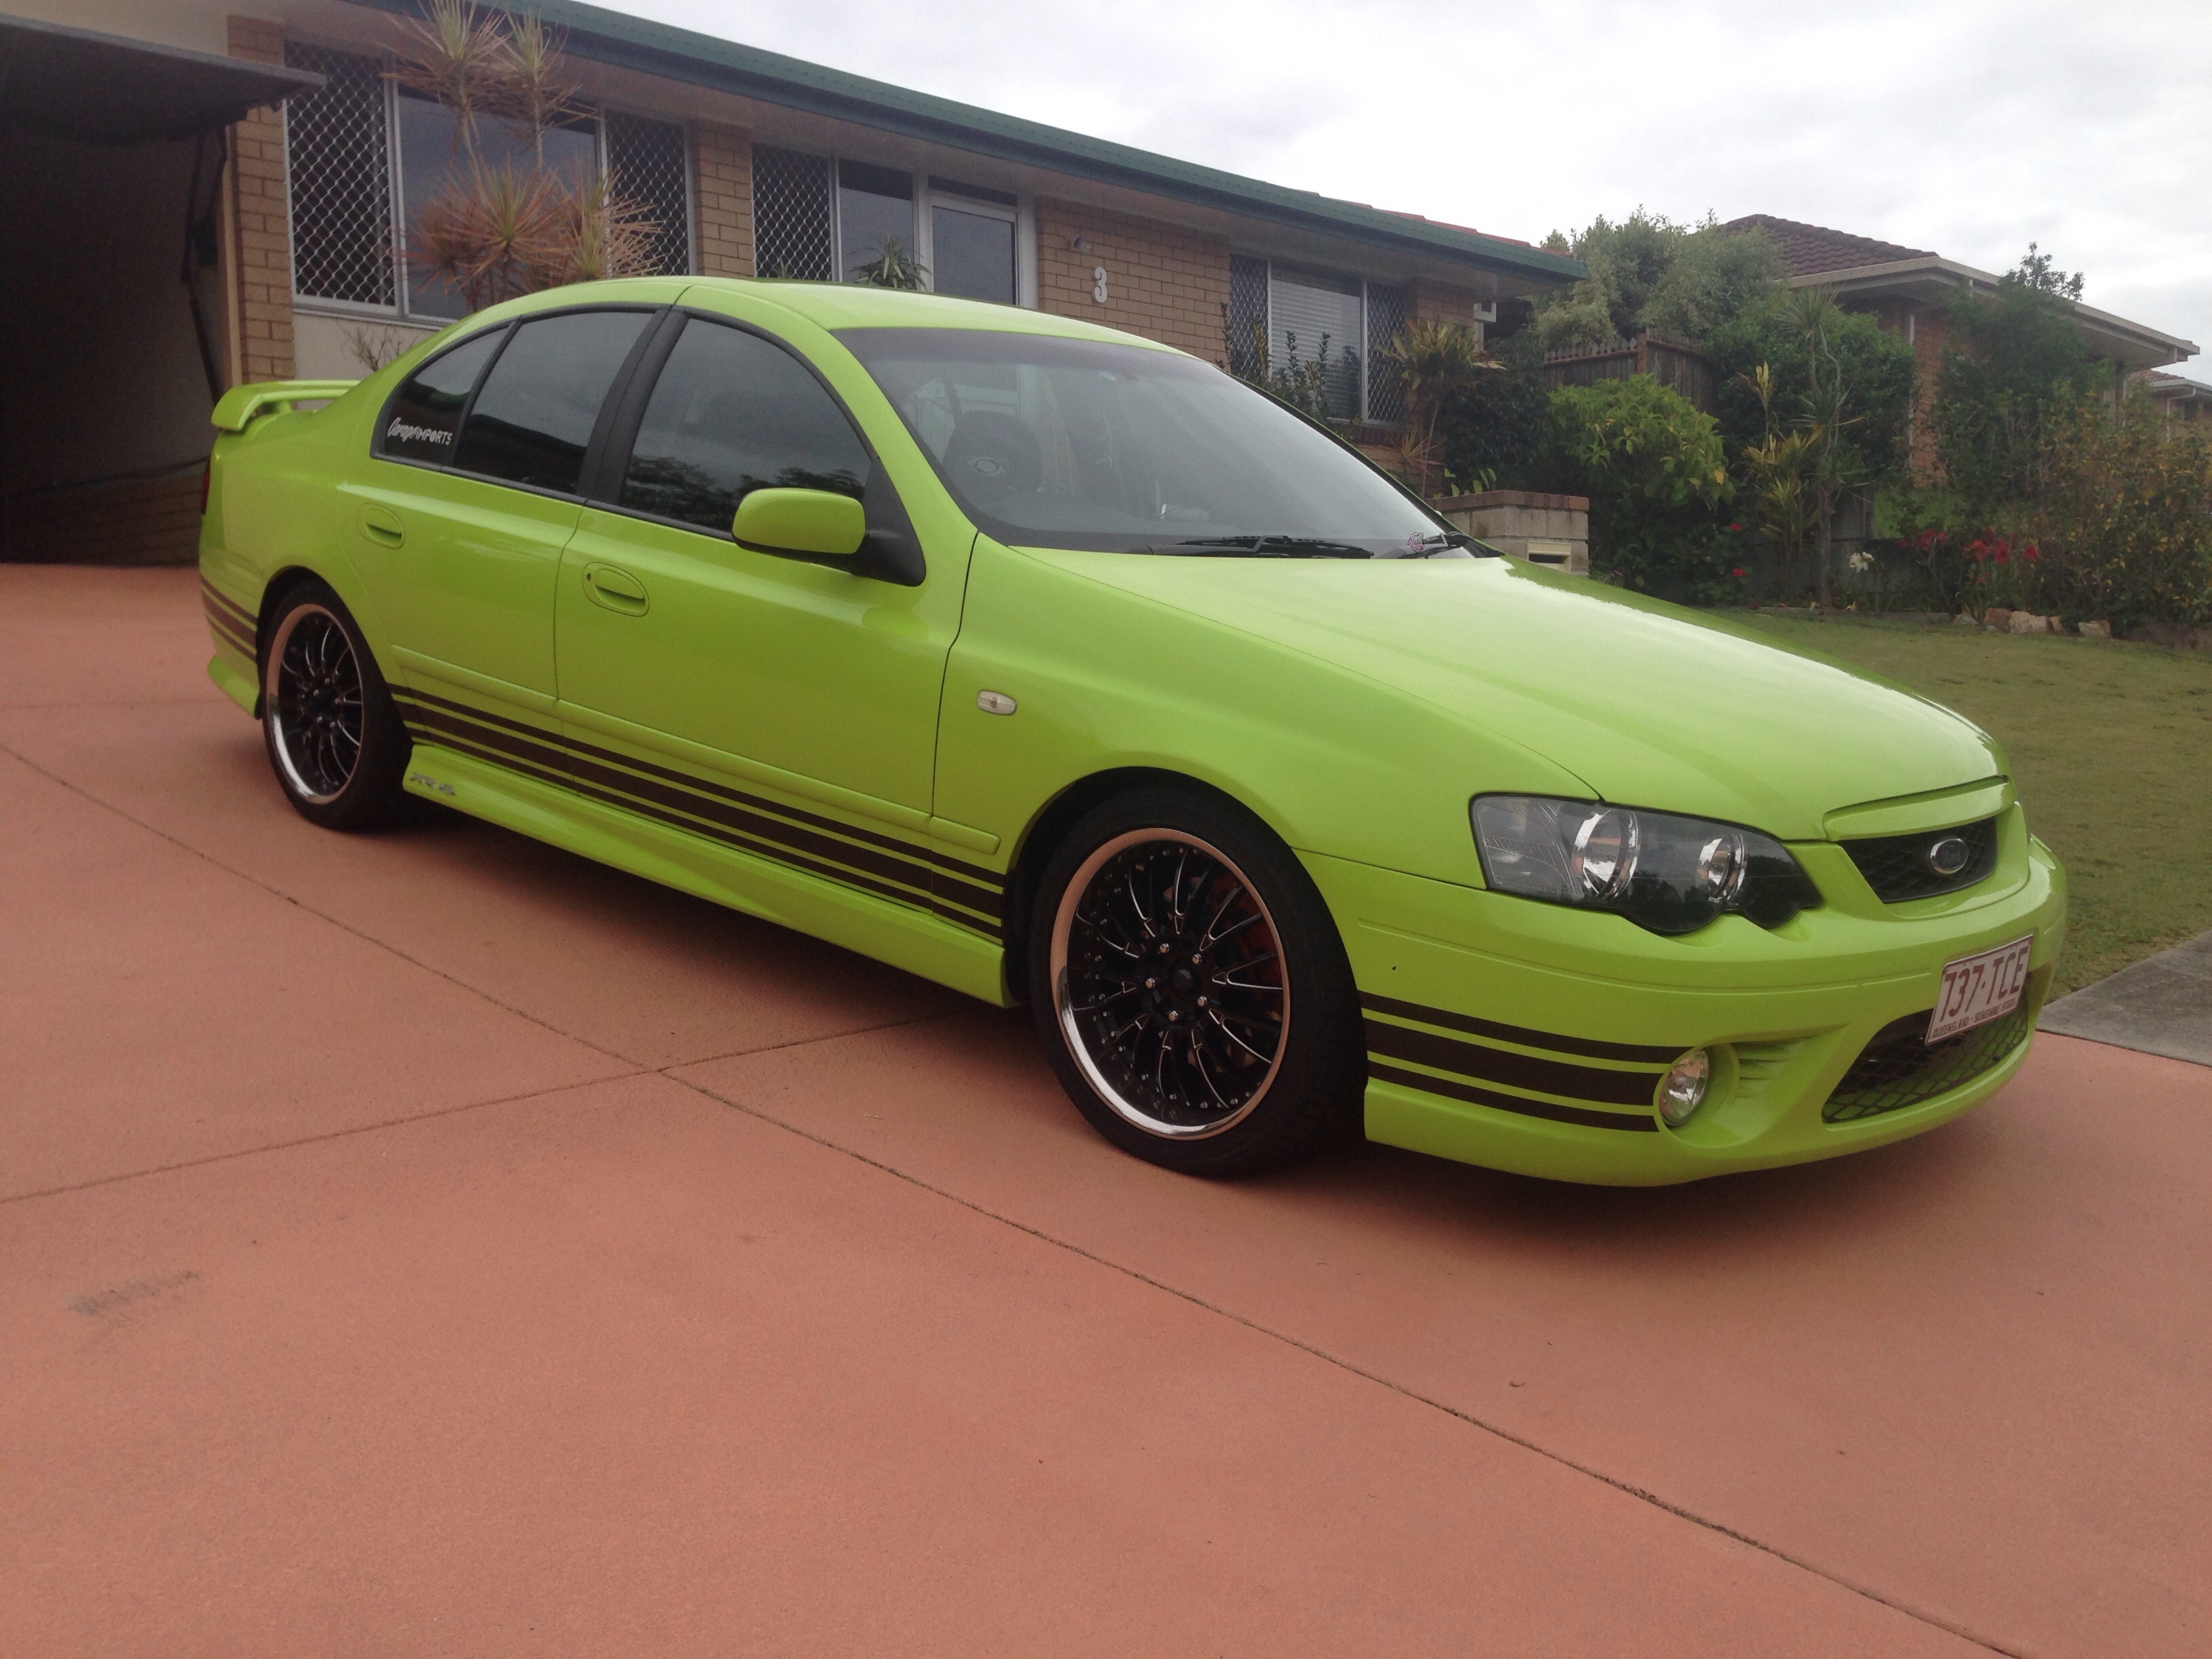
(435, 1244)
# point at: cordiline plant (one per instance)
(497, 230)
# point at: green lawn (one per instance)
(2112, 749)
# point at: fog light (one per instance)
(1683, 1090)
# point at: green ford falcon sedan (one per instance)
(1062, 668)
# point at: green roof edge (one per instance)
(671, 53)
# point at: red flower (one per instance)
(2028, 552)
(1736, 526)
(1738, 571)
(2000, 554)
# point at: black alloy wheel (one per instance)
(1191, 989)
(334, 741)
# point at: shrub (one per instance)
(1653, 468)
(1494, 430)
(2124, 521)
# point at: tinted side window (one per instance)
(732, 413)
(534, 416)
(419, 423)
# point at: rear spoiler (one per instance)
(239, 405)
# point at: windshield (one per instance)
(1075, 443)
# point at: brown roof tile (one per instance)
(1806, 249)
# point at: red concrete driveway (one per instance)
(432, 1244)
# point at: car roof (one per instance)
(841, 305)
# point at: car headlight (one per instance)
(1670, 874)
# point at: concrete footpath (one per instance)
(2160, 1006)
(432, 1244)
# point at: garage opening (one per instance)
(118, 310)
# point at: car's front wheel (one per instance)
(1191, 990)
(334, 741)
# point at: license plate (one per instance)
(1978, 989)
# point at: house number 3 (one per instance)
(1098, 283)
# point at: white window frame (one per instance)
(923, 199)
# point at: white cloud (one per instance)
(1968, 128)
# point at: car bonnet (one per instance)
(1653, 705)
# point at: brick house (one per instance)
(2178, 400)
(1909, 289)
(250, 232)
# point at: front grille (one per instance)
(1897, 868)
(1899, 1069)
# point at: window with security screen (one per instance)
(363, 159)
(647, 162)
(1280, 318)
(794, 214)
(1386, 320)
(338, 141)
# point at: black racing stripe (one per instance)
(229, 633)
(1553, 1077)
(1520, 1034)
(1452, 1090)
(613, 784)
(498, 749)
(990, 880)
(238, 613)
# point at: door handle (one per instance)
(382, 526)
(615, 589)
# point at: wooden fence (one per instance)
(1672, 365)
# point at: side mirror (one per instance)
(802, 521)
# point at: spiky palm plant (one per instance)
(496, 232)
(453, 55)
(1435, 359)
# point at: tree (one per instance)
(1715, 277)
(1875, 361)
(1647, 274)
(1626, 261)
(2014, 371)
(1813, 401)
(497, 230)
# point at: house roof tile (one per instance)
(1806, 249)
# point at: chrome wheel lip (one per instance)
(272, 700)
(1063, 922)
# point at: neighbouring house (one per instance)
(222, 189)
(1909, 290)
(2176, 399)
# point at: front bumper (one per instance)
(1532, 1038)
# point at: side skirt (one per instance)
(903, 936)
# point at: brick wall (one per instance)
(722, 172)
(134, 521)
(1437, 302)
(263, 252)
(1164, 283)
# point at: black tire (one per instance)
(1191, 990)
(335, 742)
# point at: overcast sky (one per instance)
(1961, 125)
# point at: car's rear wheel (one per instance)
(334, 741)
(1191, 989)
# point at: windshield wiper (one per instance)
(1450, 541)
(1269, 547)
